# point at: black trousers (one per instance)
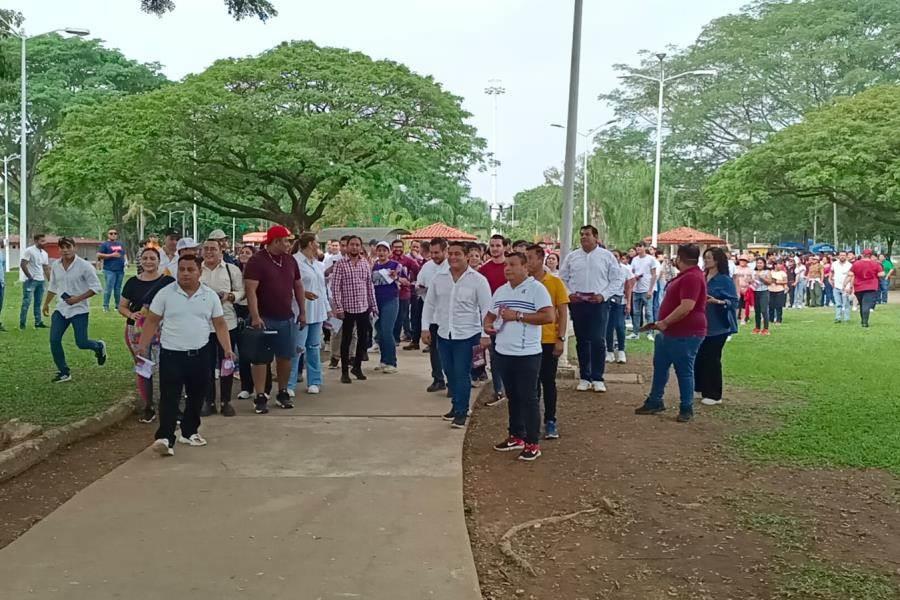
(761, 309)
(416, 305)
(216, 355)
(708, 367)
(866, 304)
(247, 374)
(437, 372)
(363, 332)
(776, 306)
(520, 379)
(547, 381)
(177, 370)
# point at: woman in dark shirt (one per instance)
(721, 322)
(136, 297)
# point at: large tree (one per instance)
(847, 154)
(280, 136)
(261, 9)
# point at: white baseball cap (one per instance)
(186, 243)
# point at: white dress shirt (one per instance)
(457, 307)
(428, 271)
(225, 279)
(839, 270)
(35, 258)
(595, 272)
(312, 274)
(168, 266)
(186, 320)
(74, 281)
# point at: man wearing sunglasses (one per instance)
(112, 255)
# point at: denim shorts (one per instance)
(283, 342)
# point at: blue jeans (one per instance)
(30, 288)
(402, 322)
(496, 380)
(384, 330)
(679, 352)
(58, 326)
(800, 294)
(113, 286)
(883, 286)
(589, 320)
(2, 293)
(841, 305)
(641, 311)
(456, 360)
(309, 340)
(828, 293)
(657, 298)
(616, 326)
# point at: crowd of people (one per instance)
(196, 315)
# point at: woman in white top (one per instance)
(309, 340)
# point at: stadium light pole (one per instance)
(23, 142)
(494, 90)
(662, 80)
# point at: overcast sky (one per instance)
(462, 43)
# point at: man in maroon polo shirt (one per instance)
(494, 271)
(681, 328)
(406, 287)
(272, 282)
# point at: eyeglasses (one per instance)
(113, 233)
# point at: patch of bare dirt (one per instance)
(689, 519)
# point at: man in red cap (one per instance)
(272, 282)
(864, 279)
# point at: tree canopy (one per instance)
(847, 153)
(261, 9)
(277, 137)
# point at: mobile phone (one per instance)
(65, 296)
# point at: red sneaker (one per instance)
(509, 444)
(756, 331)
(764, 332)
(531, 452)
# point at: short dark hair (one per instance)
(346, 238)
(460, 244)
(520, 243)
(398, 241)
(474, 246)
(590, 228)
(497, 236)
(439, 241)
(537, 249)
(66, 241)
(350, 238)
(518, 255)
(36, 237)
(192, 258)
(332, 240)
(689, 253)
(306, 239)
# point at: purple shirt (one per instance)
(386, 289)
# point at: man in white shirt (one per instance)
(34, 271)
(429, 270)
(591, 274)
(168, 254)
(188, 311)
(73, 280)
(457, 302)
(519, 309)
(644, 269)
(838, 276)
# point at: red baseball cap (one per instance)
(867, 252)
(276, 232)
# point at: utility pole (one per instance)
(495, 90)
(571, 134)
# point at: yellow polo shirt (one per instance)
(558, 296)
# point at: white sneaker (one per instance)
(162, 447)
(610, 357)
(650, 336)
(194, 440)
(291, 393)
(697, 395)
(244, 395)
(710, 402)
(380, 367)
(313, 389)
(632, 336)
(583, 386)
(389, 369)
(599, 386)
(620, 357)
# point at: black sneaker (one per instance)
(101, 353)
(365, 357)
(498, 398)
(207, 409)
(649, 410)
(684, 417)
(227, 410)
(40, 326)
(437, 386)
(358, 373)
(345, 378)
(509, 444)
(61, 377)
(179, 417)
(459, 422)
(259, 405)
(284, 400)
(449, 416)
(333, 364)
(531, 452)
(148, 416)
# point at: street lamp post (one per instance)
(571, 134)
(495, 90)
(6, 160)
(23, 142)
(588, 137)
(662, 80)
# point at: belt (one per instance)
(196, 352)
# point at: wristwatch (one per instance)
(520, 317)
(561, 338)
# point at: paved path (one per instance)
(356, 493)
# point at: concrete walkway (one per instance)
(356, 493)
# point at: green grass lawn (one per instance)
(835, 388)
(26, 367)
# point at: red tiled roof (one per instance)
(688, 235)
(440, 230)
